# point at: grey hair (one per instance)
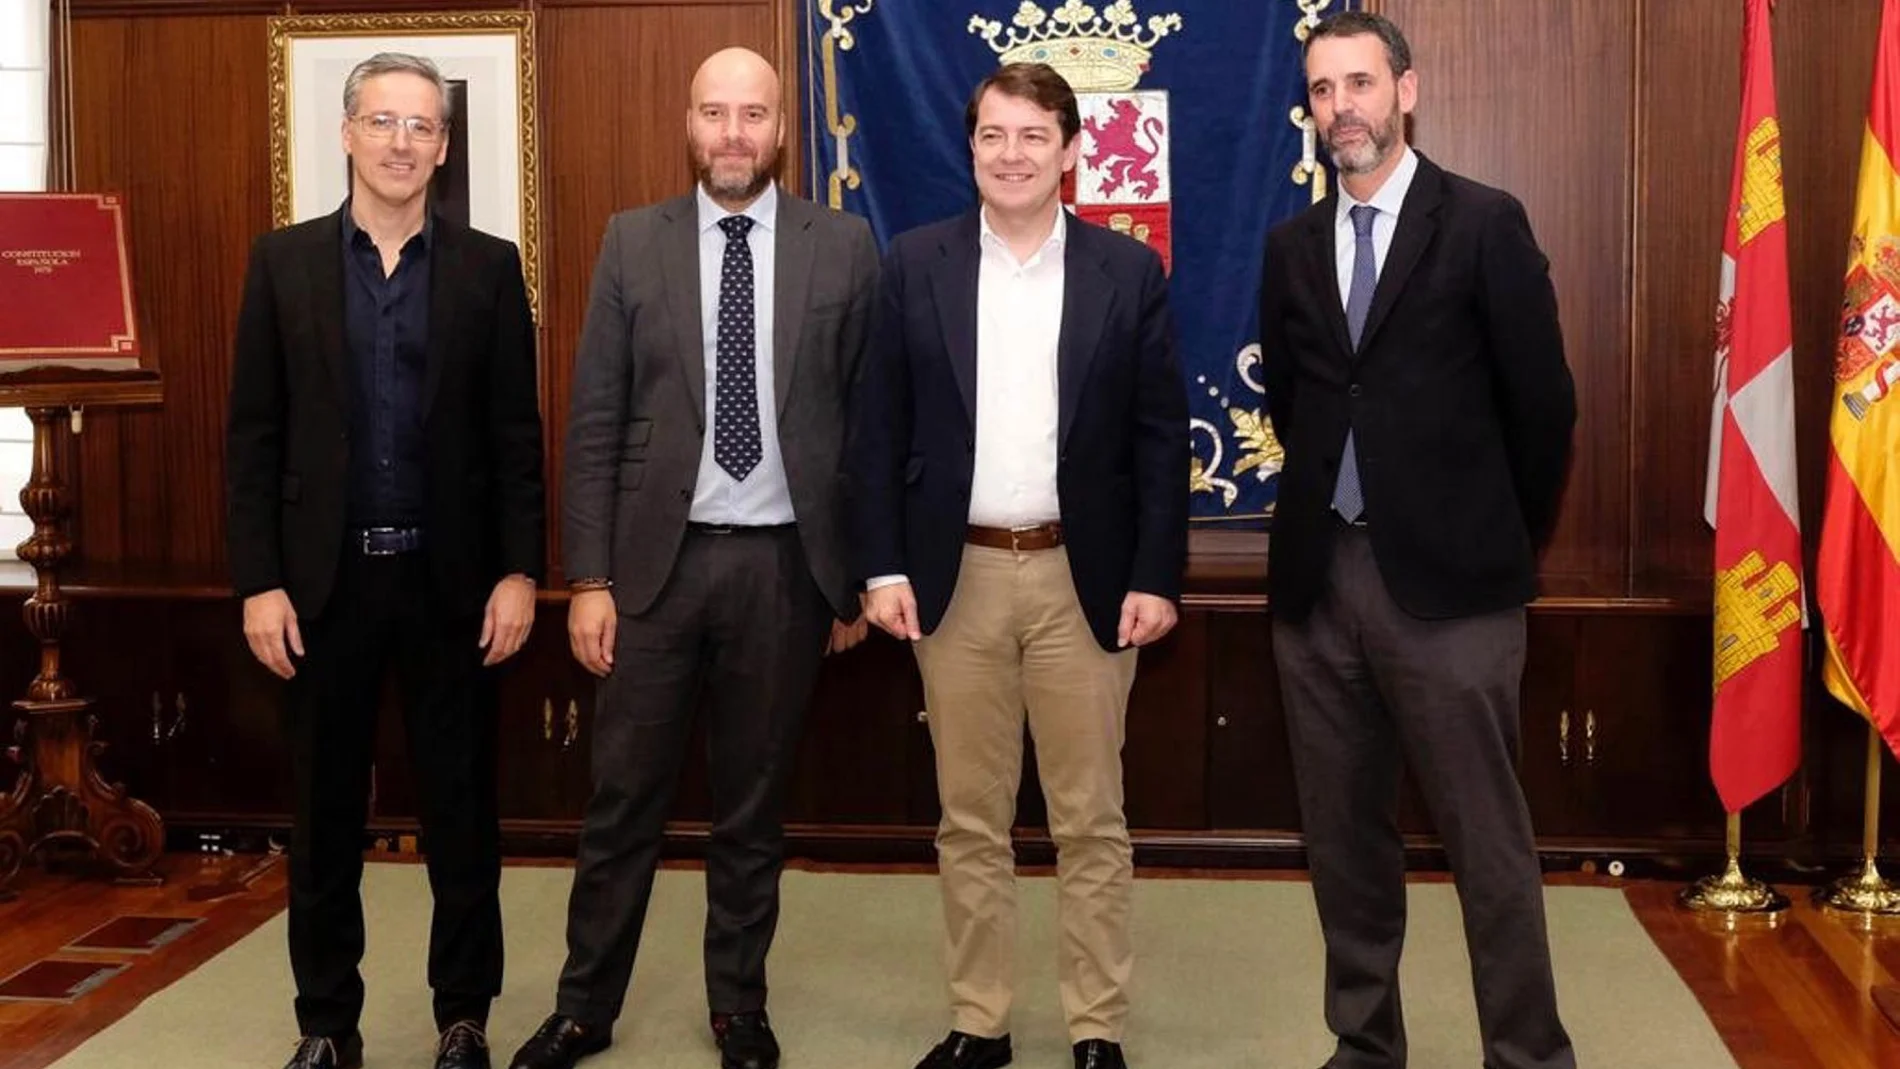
(393, 63)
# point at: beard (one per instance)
(726, 182)
(1367, 155)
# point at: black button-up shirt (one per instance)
(386, 325)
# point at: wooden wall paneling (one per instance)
(790, 17)
(1688, 100)
(173, 113)
(614, 88)
(1535, 98)
(100, 149)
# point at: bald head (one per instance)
(735, 71)
(734, 126)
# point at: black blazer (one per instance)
(1122, 437)
(1458, 396)
(287, 453)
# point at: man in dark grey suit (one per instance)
(703, 530)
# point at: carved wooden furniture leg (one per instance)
(60, 797)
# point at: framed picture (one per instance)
(488, 180)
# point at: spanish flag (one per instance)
(1755, 739)
(1857, 580)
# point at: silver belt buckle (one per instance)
(369, 542)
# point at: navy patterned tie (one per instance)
(1349, 498)
(736, 445)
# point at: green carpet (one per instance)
(1227, 974)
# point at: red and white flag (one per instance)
(1755, 740)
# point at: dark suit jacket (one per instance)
(1122, 431)
(637, 422)
(287, 454)
(1459, 399)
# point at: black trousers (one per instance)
(381, 617)
(741, 620)
(1365, 686)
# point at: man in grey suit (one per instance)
(704, 534)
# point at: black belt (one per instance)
(1359, 523)
(386, 541)
(737, 528)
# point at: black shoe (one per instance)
(745, 1041)
(961, 1050)
(1099, 1054)
(560, 1042)
(463, 1046)
(324, 1052)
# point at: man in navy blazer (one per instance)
(1019, 470)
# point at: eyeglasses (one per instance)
(382, 126)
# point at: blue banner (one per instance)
(1195, 139)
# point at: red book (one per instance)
(65, 282)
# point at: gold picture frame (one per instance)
(488, 58)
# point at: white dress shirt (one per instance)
(1388, 200)
(1018, 326)
(764, 497)
(1018, 407)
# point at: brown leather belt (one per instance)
(1041, 536)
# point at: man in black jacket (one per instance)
(1415, 373)
(387, 510)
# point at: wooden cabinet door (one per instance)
(1250, 784)
(544, 726)
(1550, 728)
(1640, 729)
(220, 714)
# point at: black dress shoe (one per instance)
(1099, 1054)
(961, 1050)
(325, 1052)
(560, 1042)
(463, 1046)
(745, 1041)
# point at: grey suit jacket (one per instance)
(636, 422)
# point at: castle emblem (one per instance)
(1121, 178)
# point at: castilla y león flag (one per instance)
(1755, 739)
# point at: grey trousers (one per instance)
(1365, 684)
(742, 622)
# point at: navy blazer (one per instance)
(1122, 440)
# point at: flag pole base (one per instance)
(1735, 897)
(1867, 895)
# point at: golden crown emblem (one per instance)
(1102, 52)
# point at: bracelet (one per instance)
(582, 585)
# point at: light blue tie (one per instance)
(1349, 499)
